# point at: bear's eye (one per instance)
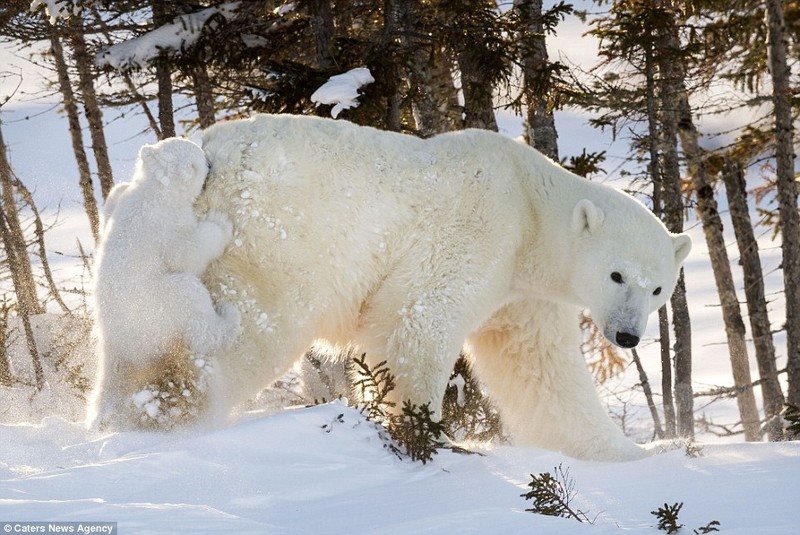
(616, 277)
(657, 291)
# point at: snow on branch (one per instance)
(57, 9)
(172, 38)
(342, 90)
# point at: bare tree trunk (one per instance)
(203, 95)
(322, 23)
(720, 264)
(443, 89)
(5, 362)
(429, 109)
(71, 107)
(673, 210)
(431, 91)
(39, 230)
(166, 116)
(91, 108)
(478, 98)
(668, 400)
(19, 264)
(733, 175)
(787, 190)
(648, 394)
(541, 125)
(15, 243)
(391, 74)
(24, 315)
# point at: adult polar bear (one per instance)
(413, 249)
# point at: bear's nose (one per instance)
(627, 339)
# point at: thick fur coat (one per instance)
(414, 249)
(148, 297)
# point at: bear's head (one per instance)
(626, 266)
(179, 165)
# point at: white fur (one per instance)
(409, 248)
(147, 291)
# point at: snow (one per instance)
(341, 90)
(56, 9)
(173, 38)
(285, 9)
(285, 473)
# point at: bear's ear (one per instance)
(586, 217)
(151, 160)
(682, 244)
(147, 154)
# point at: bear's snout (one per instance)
(627, 340)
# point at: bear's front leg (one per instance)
(528, 355)
(419, 326)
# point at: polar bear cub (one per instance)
(148, 295)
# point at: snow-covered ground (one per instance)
(286, 474)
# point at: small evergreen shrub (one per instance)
(792, 416)
(373, 387)
(467, 414)
(417, 432)
(668, 520)
(668, 517)
(552, 493)
(413, 432)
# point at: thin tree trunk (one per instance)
(787, 190)
(203, 94)
(5, 362)
(720, 264)
(39, 230)
(166, 116)
(391, 74)
(541, 125)
(668, 400)
(443, 89)
(13, 240)
(71, 107)
(25, 316)
(429, 111)
(15, 243)
(91, 108)
(478, 98)
(673, 211)
(322, 24)
(733, 175)
(648, 394)
(432, 93)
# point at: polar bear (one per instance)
(147, 295)
(416, 249)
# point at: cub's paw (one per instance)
(222, 221)
(232, 319)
